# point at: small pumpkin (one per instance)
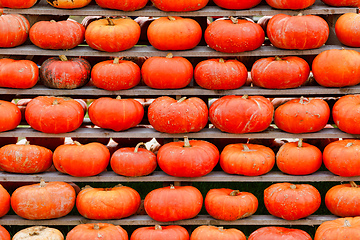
(237, 5)
(179, 6)
(17, 4)
(68, 4)
(23, 73)
(123, 5)
(10, 116)
(14, 30)
(347, 29)
(216, 233)
(37, 233)
(345, 114)
(290, 4)
(273, 233)
(171, 232)
(94, 230)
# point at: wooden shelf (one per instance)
(159, 176)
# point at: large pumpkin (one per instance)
(108, 203)
(302, 115)
(236, 4)
(280, 72)
(337, 68)
(290, 4)
(244, 35)
(23, 73)
(339, 229)
(116, 114)
(114, 75)
(57, 35)
(291, 201)
(220, 74)
(61, 72)
(342, 3)
(112, 35)
(186, 202)
(10, 116)
(94, 230)
(68, 4)
(179, 6)
(230, 205)
(171, 232)
(216, 233)
(54, 114)
(17, 4)
(167, 72)
(43, 200)
(81, 160)
(346, 114)
(14, 30)
(37, 233)
(123, 5)
(167, 115)
(194, 158)
(4, 203)
(275, 233)
(302, 32)
(236, 114)
(25, 158)
(247, 159)
(347, 29)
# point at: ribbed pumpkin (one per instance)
(63, 73)
(166, 114)
(179, 6)
(216, 233)
(4, 203)
(68, 4)
(37, 233)
(236, 4)
(123, 5)
(194, 158)
(244, 35)
(174, 33)
(241, 114)
(280, 72)
(342, 3)
(114, 75)
(220, 74)
(247, 159)
(107, 203)
(186, 202)
(4, 234)
(54, 114)
(10, 116)
(171, 232)
(57, 35)
(347, 29)
(116, 114)
(230, 205)
(112, 35)
(43, 200)
(274, 233)
(23, 73)
(345, 113)
(14, 30)
(339, 229)
(81, 160)
(302, 32)
(290, 4)
(17, 4)
(94, 230)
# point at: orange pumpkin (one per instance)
(94, 230)
(339, 229)
(68, 4)
(14, 30)
(345, 113)
(347, 29)
(216, 233)
(10, 116)
(160, 233)
(4, 202)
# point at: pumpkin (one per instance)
(23, 73)
(236, 4)
(193, 158)
(291, 201)
(247, 159)
(114, 75)
(236, 114)
(10, 116)
(64, 73)
(171, 232)
(112, 35)
(25, 158)
(94, 230)
(216, 233)
(339, 229)
(186, 202)
(290, 4)
(337, 68)
(14, 30)
(167, 72)
(179, 6)
(342, 3)
(57, 35)
(345, 113)
(167, 115)
(43, 200)
(230, 205)
(220, 74)
(302, 115)
(245, 35)
(347, 29)
(298, 158)
(4, 203)
(343, 157)
(54, 114)
(116, 114)
(17, 4)
(273, 233)
(280, 72)
(342, 200)
(37, 233)
(302, 32)
(108, 203)
(123, 5)
(68, 4)
(133, 162)
(174, 33)
(4, 234)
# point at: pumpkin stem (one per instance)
(221, 229)
(77, 143)
(186, 142)
(234, 193)
(169, 55)
(137, 147)
(27, 143)
(116, 60)
(347, 223)
(292, 186)
(181, 99)
(119, 185)
(300, 14)
(300, 143)
(42, 183)
(353, 184)
(118, 97)
(234, 20)
(63, 58)
(52, 20)
(96, 227)
(158, 227)
(221, 60)
(245, 96)
(86, 187)
(172, 186)
(171, 18)
(246, 148)
(277, 58)
(110, 22)
(301, 100)
(55, 102)
(349, 144)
